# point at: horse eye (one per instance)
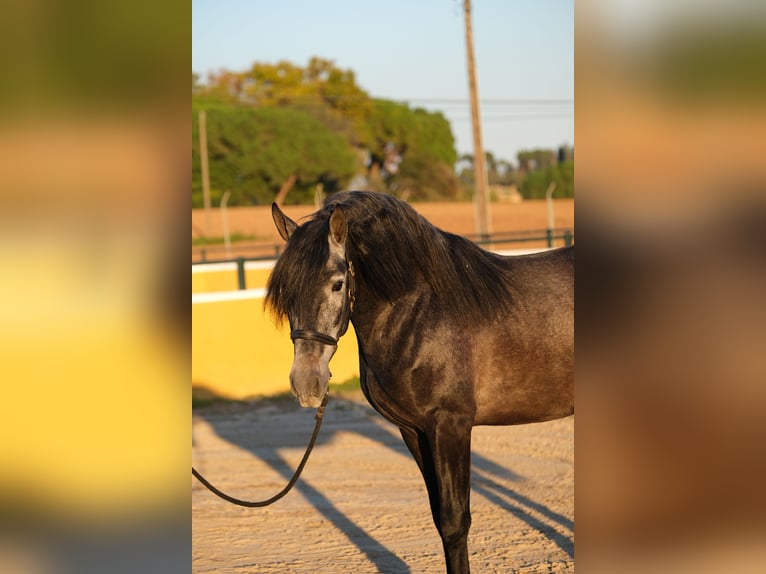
(337, 286)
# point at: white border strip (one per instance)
(218, 296)
(231, 266)
(214, 267)
(260, 264)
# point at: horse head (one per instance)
(312, 285)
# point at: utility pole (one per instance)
(204, 166)
(483, 216)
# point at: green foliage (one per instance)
(535, 184)
(422, 179)
(426, 145)
(537, 159)
(537, 169)
(321, 89)
(330, 95)
(254, 151)
(499, 171)
(428, 133)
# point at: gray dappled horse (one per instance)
(450, 335)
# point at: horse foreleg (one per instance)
(444, 457)
(417, 443)
(450, 441)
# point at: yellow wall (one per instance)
(237, 351)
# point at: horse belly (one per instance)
(526, 403)
(525, 385)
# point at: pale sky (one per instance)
(414, 51)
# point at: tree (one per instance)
(499, 171)
(425, 145)
(532, 160)
(411, 151)
(256, 152)
(535, 184)
(320, 89)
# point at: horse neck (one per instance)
(373, 313)
(367, 306)
(376, 319)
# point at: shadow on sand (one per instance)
(266, 446)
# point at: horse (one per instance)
(450, 335)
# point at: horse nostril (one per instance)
(317, 387)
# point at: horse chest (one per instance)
(406, 386)
(383, 401)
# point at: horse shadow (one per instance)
(487, 476)
(265, 441)
(515, 503)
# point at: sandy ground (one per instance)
(361, 505)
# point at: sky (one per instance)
(414, 51)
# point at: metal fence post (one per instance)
(549, 236)
(567, 238)
(241, 272)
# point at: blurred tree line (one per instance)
(282, 131)
(531, 176)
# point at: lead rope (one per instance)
(286, 489)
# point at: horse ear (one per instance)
(338, 226)
(284, 224)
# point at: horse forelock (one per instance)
(290, 286)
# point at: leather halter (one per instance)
(311, 335)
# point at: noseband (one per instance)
(311, 335)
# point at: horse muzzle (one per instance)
(309, 385)
(310, 373)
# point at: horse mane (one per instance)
(393, 249)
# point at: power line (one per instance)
(490, 102)
(488, 119)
